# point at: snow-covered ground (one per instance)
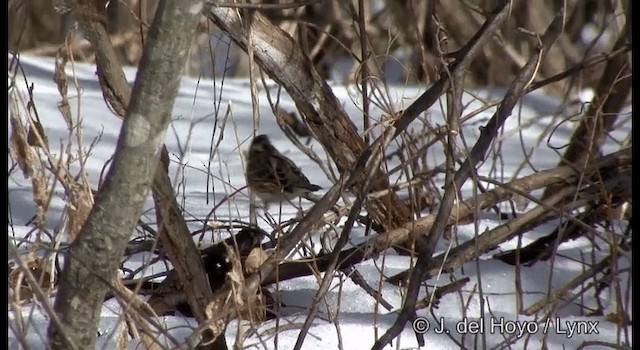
(349, 318)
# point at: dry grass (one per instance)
(411, 172)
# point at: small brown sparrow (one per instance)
(291, 121)
(272, 177)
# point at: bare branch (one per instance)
(426, 245)
(94, 256)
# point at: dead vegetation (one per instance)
(453, 46)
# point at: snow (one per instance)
(348, 317)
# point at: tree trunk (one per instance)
(601, 115)
(279, 55)
(95, 255)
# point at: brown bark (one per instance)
(179, 246)
(94, 256)
(611, 95)
(426, 244)
(117, 93)
(170, 296)
(281, 57)
(564, 175)
(32, 23)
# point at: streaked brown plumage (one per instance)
(273, 177)
(292, 122)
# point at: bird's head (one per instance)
(261, 144)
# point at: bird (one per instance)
(272, 177)
(291, 121)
